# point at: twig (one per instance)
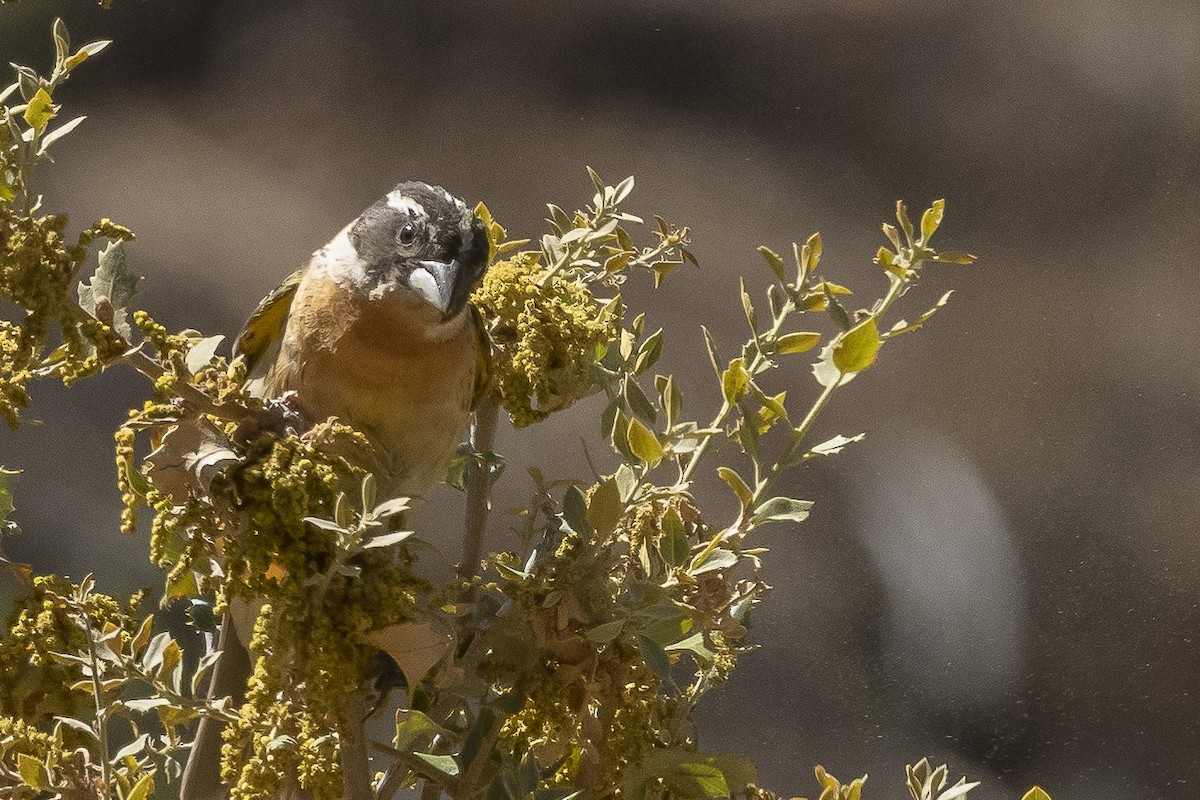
(483, 438)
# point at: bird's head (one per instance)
(422, 242)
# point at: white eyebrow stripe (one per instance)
(402, 202)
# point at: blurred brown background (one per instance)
(1004, 574)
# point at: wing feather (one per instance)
(264, 330)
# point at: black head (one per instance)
(424, 239)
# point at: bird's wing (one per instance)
(483, 358)
(264, 330)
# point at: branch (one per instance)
(483, 437)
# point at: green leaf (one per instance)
(958, 790)
(774, 261)
(1036, 793)
(672, 401)
(649, 352)
(902, 217)
(443, 765)
(142, 789)
(717, 559)
(386, 539)
(931, 219)
(855, 349)
(575, 511)
(747, 306)
(606, 632)
(834, 445)
(58, 133)
(86, 52)
(655, 657)
(639, 404)
(887, 259)
(201, 353)
(62, 42)
(40, 110)
(892, 234)
(810, 255)
(79, 725)
(693, 644)
(605, 509)
(643, 443)
(703, 776)
(905, 327)
(954, 257)
(735, 381)
(33, 772)
(112, 284)
(737, 484)
(782, 509)
(796, 342)
(414, 727)
(673, 545)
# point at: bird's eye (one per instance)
(408, 234)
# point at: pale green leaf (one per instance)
(643, 443)
(782, 509)
(58, 133)
(833, 446)
(954, 257)
(673, 545)
(606, 632)
(855, 350)
(693, 644)
(774, 261)
(735, 381)
(605, 508)
(33, 772)
(201, 353)
(386, 539)
(112, 284)
(444, 765)
(931, 219)
(655, 657)
(796, 342)
(905, 327)
(575, 511)
(737, 484)
(717, 559)
(40, 110)
(142, 789)
(1036, 793)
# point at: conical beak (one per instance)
(434, 280)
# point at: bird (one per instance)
(376, 330)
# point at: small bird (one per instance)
(375, 330)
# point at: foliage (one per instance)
(569, 667)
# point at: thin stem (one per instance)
(153, 370)
(785, 459)
(483, 439)
(756, 364)
(101, 711)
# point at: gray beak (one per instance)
(434, 280)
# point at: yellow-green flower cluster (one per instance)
(69, 769)
(547, 336)
(15, 373)
(36, 266)
(35, 686)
